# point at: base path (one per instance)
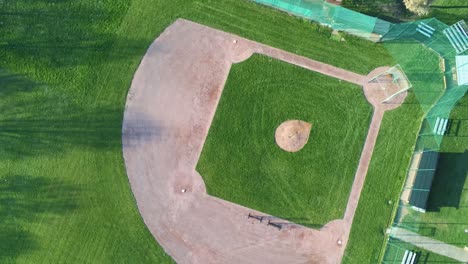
(169, 109)
(430, 244)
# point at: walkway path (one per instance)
(430, 244)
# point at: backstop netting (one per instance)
(392, 82)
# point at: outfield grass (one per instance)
(384, 179)
(241, 162)
(446, 218)
(457, 139)
(67, 68)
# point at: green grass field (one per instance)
(241, 162)
(66, 68)
(447, 212)
(447, 11)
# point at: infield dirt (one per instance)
(170, 106)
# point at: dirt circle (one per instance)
(292, 135)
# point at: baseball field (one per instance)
(242, 163)
(66, 69)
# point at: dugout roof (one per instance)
(423, 182)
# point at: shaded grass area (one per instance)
(392, 153)
(64, 194)
(241, 162)
(456, 139)
(449, 11)
(62, 182)
(66, 68)
(23, 199)
(397, 248)
(446, 218)
(270, 26)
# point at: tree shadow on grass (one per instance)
(449, 181)
(49, 132)
(35, 122)
(15, 83)
(23, 200)
(62, 33)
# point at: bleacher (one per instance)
(457, 34)
(440, 126)
(409, 257)
(425, 29)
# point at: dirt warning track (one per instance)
(170, 106)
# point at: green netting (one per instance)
(334, 16)
(436, 90)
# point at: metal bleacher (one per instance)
(409, 257)
(425, 29)
(440, 126)
(457, 34)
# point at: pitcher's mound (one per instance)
(292, 135)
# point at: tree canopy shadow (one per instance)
(15, 83)
(45, 134)
(449, 181)
(62, 33)
(37, 122)
(23, 200)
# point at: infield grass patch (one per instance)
(449, 11)
(241, 162)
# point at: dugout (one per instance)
(419, 181)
